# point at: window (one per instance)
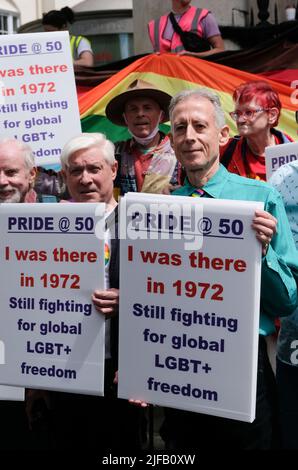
(3, 24)
(15, 23)
(111, 47)
(8, 23)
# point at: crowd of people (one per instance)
(198, 157)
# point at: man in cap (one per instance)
(146, 161)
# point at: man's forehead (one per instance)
(11, 160)
(8, 148)
(193, 105)
(194, 100)
(90, 156)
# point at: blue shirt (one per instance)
(280, 265)
(285, 180)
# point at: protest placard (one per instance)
(189, 304)
(278, 155)
(12, 393)
(7, 392)
(52, 259)
(38, 100)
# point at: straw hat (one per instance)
(137, 89)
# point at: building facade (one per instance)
(118, 28)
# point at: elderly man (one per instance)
(17, 174)
(87, 422)
(89, 169)
(198, 131)
(147, 162)
(17, 171)
(21, 181)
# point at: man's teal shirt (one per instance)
(280, 265)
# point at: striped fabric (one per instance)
(172, 73)
(198, 193)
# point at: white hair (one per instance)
(88, 140)
(25, 149)
(200, 93)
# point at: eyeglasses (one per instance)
(249, 114)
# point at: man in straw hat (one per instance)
(146, 161)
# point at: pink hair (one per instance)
(262, 92)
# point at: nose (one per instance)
(85, 177)
(190, 133)
(241, 117)
(244, 116)
(140, 111)
(3, 179)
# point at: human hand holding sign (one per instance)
(265, 226)
(106, 301)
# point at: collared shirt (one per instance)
(280, 265)
(133, 166)
(285, 180)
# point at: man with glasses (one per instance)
(257, 111)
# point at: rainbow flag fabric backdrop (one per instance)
(172, 73)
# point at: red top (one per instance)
(245, 163)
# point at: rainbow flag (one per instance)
(172, 73)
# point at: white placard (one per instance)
(6, 392)
(278, 155)
(51, 262)
(12, 393)
(38, 99)
(189, 307)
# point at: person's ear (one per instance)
(114, 169)
(32, 176)
(162, 116)
(171, 139)
(63, 173)
(224, 135)
(273, 115)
